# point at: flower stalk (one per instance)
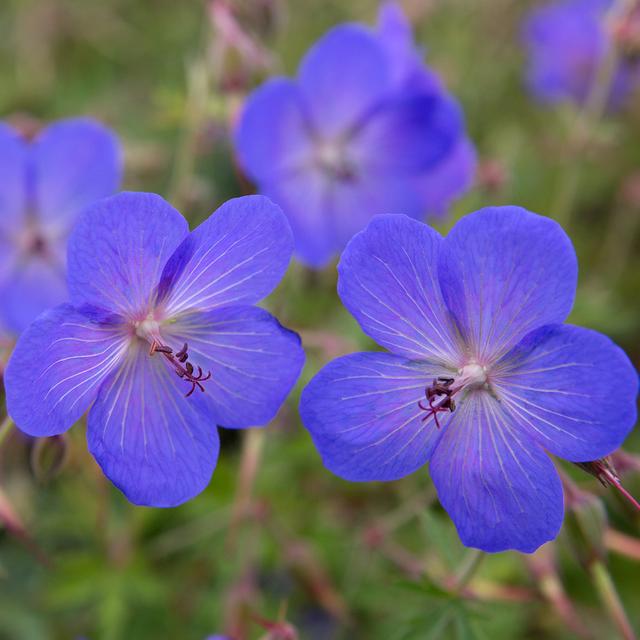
(610, 599)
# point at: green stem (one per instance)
(468, 569)
(611, 600)
(5, 429)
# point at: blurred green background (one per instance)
(275, 536)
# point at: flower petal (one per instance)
(13, 185)
(395, 33)
(158, 447)
(449, 179)
(273, 135)
(363, 415)
(387, 280)
(325, 213)
(408, 134)
(55, 370)
(33, 286)
(254, 361)
(118, 250)
(76, 163)
(343, 76)
(505, 271)
(572, 389)
(238, 255)
(566, 42)
(304, 198)
(499, 487)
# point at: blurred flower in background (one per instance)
(567, 43)
(162, 341)
(44, 186)
(366, 128)
(474, 326)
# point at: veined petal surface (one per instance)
(388, 281)
(158, 447)
(497, 484)
(57, 367)
(363, 415)
(572, 390)
(505, 271)
(254, 361)
(237, 256)
(118, 251)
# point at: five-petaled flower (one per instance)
(568, 42)
(473, 322)
(158, 313)
(44, 186)
(365, 129)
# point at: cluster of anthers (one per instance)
(438, 394)
(181, 364)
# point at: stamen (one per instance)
(183, 368)
(439, 396)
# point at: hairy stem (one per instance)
(468, 569)
(5, 429)
(611, 600)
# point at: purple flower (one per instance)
(157, 314)
(482, 380)
(45, 185)
(567, 42)
(365, 128)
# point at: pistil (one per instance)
(180, 362)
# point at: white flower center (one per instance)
(147, 329)
(332, 158)
(472, 376)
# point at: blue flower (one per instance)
(365, 128)
(567, 42)
(161, 341)
(482, 380)
(45, 185)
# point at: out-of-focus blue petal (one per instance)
(572, 389)
(408, 134)
(388, 280)
(13, 181)
(9, 254)
(395, 34)
(325, 213)
(352, 204)
(305, 198)
(32, 286)
(567, 42)
(118, 250)
(75, 163)
(505, 271)
(254, 361)
(496, 483)
(273, 135)
(158, 447)
(237, 256)
(56, 368)
(449, 179)
(342, 77)
(363, 415)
